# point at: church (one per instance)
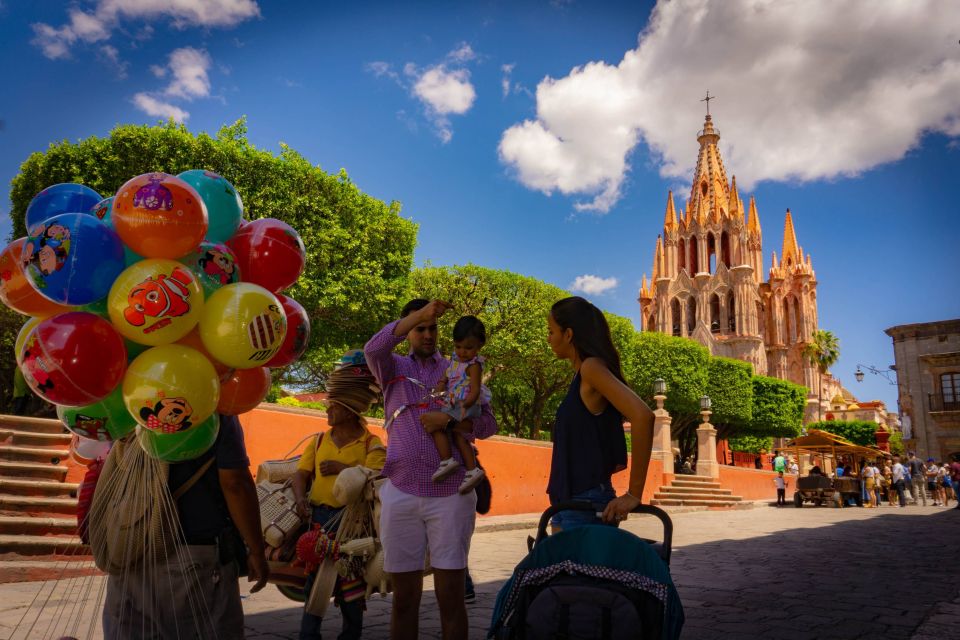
(708, 281)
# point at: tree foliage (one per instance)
(359, 249)
(778, 407)
(750, 444)
(856, 431)
(730, 389)
(823, 352)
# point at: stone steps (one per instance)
(38, 526)
(695, 491)
(14, 453)
(34, 504)
(36, 487)
(31, 545)
(34, 425)
(32, 470)
(18, 437)
(699, 503)
(695, 485)
(689, 490)
(687, 497)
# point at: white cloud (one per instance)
(507, 69)
(158, 71)
(111, 56)
(188, 68)
(443, 89)
(154, 107)
(593, 285)
(89, 27)
(806, 90)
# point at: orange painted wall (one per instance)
(518, 469)
(753, 484)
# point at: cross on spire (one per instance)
(707, 100)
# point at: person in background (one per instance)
(794, 467)
(781, 484)
(930, 473)
(869, 484)
(779, 462)
(947, 483)
(918, 481)
(348, 443)
(955, 478)
(899, 473)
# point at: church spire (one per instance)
(658, 260)
(670, 217)
(645, 292)
(735, 206)
(709, 178)
(753, 222)
(791, 251)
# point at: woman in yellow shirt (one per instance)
(348, 443)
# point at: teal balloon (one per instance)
(182, 445)
(104, 420)
(224, 207)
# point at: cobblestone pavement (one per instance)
(759, 573)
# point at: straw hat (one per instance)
(322, 591)
(348, 488)
(352, 384)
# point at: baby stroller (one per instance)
(592, 582)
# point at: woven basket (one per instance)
(277, 471)
(278, 512)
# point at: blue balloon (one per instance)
(224, 207)
(103, 210)
(66, 197)
(73, 258)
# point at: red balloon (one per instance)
(298, 333)
(243, 391)
(269, 253)
(73, 359)
(16, 289)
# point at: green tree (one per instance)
(778, 407)
(359, 249)
(730, 389)
(822, 352)
(896, 443)
(856, 431)
(750, 444)
(525, 378)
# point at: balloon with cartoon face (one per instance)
(66, 197)
(16, 289)
(155, 302)
(170, 388)
(224, 207)
(104, 420)
(214, 265)
(243, 325)
(73, 359)
(72, 258)
(159, 216)
(183, 445)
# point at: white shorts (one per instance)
(409, 525)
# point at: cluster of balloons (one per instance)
(155, 309)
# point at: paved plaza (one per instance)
(758, 573)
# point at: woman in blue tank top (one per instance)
(588, 441)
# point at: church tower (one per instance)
(708, 282)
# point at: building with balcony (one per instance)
(927, 357)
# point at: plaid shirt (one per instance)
(411, 454)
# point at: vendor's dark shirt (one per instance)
(916, 467)
(203, 509)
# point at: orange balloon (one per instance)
(243, 391)
(16, 290)
(193, 341)
(159, 216)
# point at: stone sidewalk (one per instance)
(760, 573)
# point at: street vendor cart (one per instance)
(820, 489)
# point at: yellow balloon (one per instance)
(22, 336)
(242, 325)
(170, 388)
(155, 302)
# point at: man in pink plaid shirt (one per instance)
(418, 513)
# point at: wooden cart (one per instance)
(821, 489)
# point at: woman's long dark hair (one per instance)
(591, 333)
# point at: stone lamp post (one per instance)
(707, 443)
(662, 449)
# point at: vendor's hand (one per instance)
(331, 467)
(434, 421)
(618, 508)
(257, 569)
(303, 508)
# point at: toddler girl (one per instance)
(463, 395)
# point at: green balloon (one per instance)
(104, 420)
(184, 445)
(98, 307)
(224, 207)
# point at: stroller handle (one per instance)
(573, 505)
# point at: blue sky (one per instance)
(542, 137)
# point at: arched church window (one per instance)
(703, 188)
(691, 315)
(731, 312)
(787, 335)
(797, 320)
(681, 255)
(675, 316)
(652, 323)
(725, 249)
(715, 313)
(761, 321)
(694, 257)
(711, 253)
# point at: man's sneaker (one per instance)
(471, 479)
(470, 596)
(446, 467)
